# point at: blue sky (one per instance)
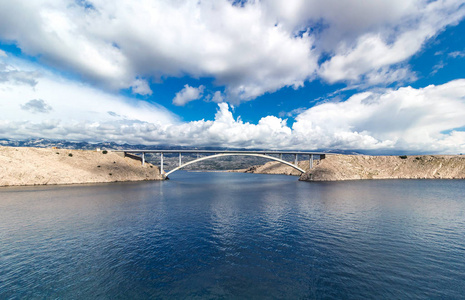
(382, 76)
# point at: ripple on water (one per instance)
(226, 235)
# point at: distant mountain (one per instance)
(46, 143)
(63, 144)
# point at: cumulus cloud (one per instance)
(14, 76)
(218, 97)
(425, 120)
(141, 87)
(421, 120)
(391, 43)
(188, 94)
(250, 49)
(36, 106)
(112, 43)
(429, 119)
(72, 102)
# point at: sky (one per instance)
(380, 76)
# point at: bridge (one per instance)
(272, 155)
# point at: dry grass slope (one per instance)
(38, 166)
(355, 167)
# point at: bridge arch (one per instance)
(235, 154)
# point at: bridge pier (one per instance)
(310, 162)
(143, 158)
(295, 160)
(161, 163)
(180, 162)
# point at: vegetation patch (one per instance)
(104, 151)
(403, 156)
(70, 154)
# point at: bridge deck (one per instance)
(223, 151)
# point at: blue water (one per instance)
(229, 236)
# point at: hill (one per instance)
(40, 166)
(351, 167)
(355, 167)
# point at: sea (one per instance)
(210, 235)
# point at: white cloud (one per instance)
(141, 87)
(36, 106)
(409, 119)
(14, 76)
(188, 94)
(118, 41)
(217, 97)
(2, 53)
(429, 119)
(456, 54)
(391, 43)
(65, 109)
(250, 50)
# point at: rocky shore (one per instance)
(45, 166)
(356, 167)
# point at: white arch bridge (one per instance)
(272, 155)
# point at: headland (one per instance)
(44, 166)
(355, 167)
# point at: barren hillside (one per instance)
(353, 167)
(349, 167)
(277, 168)
(38, 166)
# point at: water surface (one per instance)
(229, 235)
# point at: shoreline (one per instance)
(27, 166)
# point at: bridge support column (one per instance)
(143, 158)
(161, 163)
(295, 160)
(280, 156)
(180, 161)
(310, 161)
